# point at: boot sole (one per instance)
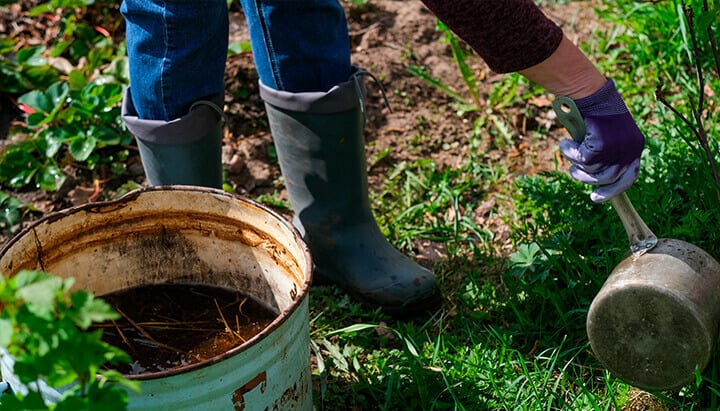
(419, 306)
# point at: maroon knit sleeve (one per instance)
(510, 35)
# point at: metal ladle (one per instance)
(655, 320)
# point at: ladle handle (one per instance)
(641, 238)
(639, 234)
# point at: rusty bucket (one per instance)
(198, 235)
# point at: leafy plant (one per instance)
(73, 105)
(27, 70)
(11, 210)
(43, 326)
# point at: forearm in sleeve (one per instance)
(510, 35)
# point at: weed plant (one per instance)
(71, 91)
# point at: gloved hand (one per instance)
(609, 155)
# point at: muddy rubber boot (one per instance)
(321, 149)
(184, 151)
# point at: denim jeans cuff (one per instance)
(342, 97)
(201, 119)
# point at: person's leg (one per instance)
(299, 45)
(177, 52)
(313, 98)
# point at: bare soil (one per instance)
(386, 36)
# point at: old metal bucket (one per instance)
(198, 235)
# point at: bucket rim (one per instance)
(280, 319)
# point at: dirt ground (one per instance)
(386, 36)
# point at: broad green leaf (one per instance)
(117, 377)
(27, 277)
(525, 255)
(57, 93)
(22, 178)
(42, 9)
(75, 402)
(49, 345)
(36, 119)
(11, 80)
(704, 20)
(118, 69)
(77, 80)
(32, 56)
(81, 147)
(41, 77)
(10, 215)
(37, 100)
(48, 103)
(105, 135)
(6, 332)
(17, 402)
(107, 397)
(49, 177)
(53, 138)
(87, 310)
(79, 49)
(91, 102)
(40, 296)
(89, 353)
(60, 48)
(18, 164)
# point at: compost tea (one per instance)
(168, 325)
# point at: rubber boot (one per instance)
(321, 149)
(184, 151)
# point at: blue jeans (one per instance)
(177, 49)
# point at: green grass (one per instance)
(511, 332)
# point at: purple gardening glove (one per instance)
(609, 155)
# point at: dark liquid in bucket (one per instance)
(165, 326)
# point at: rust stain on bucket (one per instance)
(177, 233)
(239, 394)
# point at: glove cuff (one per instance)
(604, 102)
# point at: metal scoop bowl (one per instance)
(654, 322)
